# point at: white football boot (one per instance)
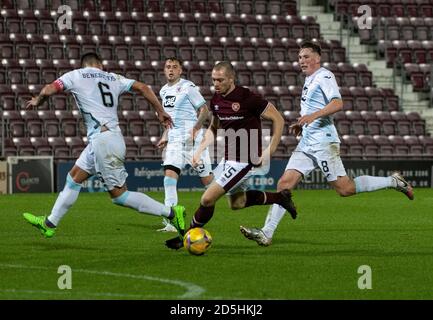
(257, 235)
(403, 185)
(168, 227)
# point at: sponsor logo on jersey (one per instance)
(169, 101)
(236, 106)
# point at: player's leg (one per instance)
(332, 167)
(263, 236)
(298, 166)
(346, 186)
(82, 169)
(228, 175)
(173, 164)
(171, 176)
(109, 149)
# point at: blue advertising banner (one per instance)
(149, 175)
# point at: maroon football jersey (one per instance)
(239, 115)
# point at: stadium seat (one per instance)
(354, 147)
(41, 146)
(373, 125)
(416, 149)
(371, 150)
(376, 100)
(25, 147)
(361, 101)
(357, 124)
(418, 124)
(401, 149)
(342, 124)
(386, 150)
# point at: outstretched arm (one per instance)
(46, 91)
(209, 137)
(147, 92)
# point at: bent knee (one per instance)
(207, 201)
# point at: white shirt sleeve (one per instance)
(125, 84)
(67, 80)
(329, 86)
(195, 96)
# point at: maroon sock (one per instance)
(273, 197)
(202, 216)
(255, 197)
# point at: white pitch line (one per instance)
(105, 294)
(192, 290)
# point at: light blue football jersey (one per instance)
(181, 101)
(318, 90)
(96, 93)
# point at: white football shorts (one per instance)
(104, 157)
(326, 157)
(179, 153)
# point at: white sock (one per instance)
(65, 200)
(142, 203)
(170, 189)
(369, 183)
(275, 214)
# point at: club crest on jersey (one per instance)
(216, 107)
(236, 106)
(179, 89)
(169, 101)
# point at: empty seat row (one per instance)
(46, 123)
(396, 29)
(69, 148)
(167, 24)
(389, 8)
(392, 147)
(379, 123)
(158, 48)
(400, 52)
(217, 6)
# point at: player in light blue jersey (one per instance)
(182, 101)
(97, 93)
(319, 146)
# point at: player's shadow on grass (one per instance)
(49, 245)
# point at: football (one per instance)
(197, 241)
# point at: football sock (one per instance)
(256, 197)
(170, 189)
(142, 203)
(275, 214)
(64, 201)
(369, 183)
(202, 216)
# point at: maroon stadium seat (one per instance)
(369, 145)
(373, 124)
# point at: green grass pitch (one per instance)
(116, 253)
